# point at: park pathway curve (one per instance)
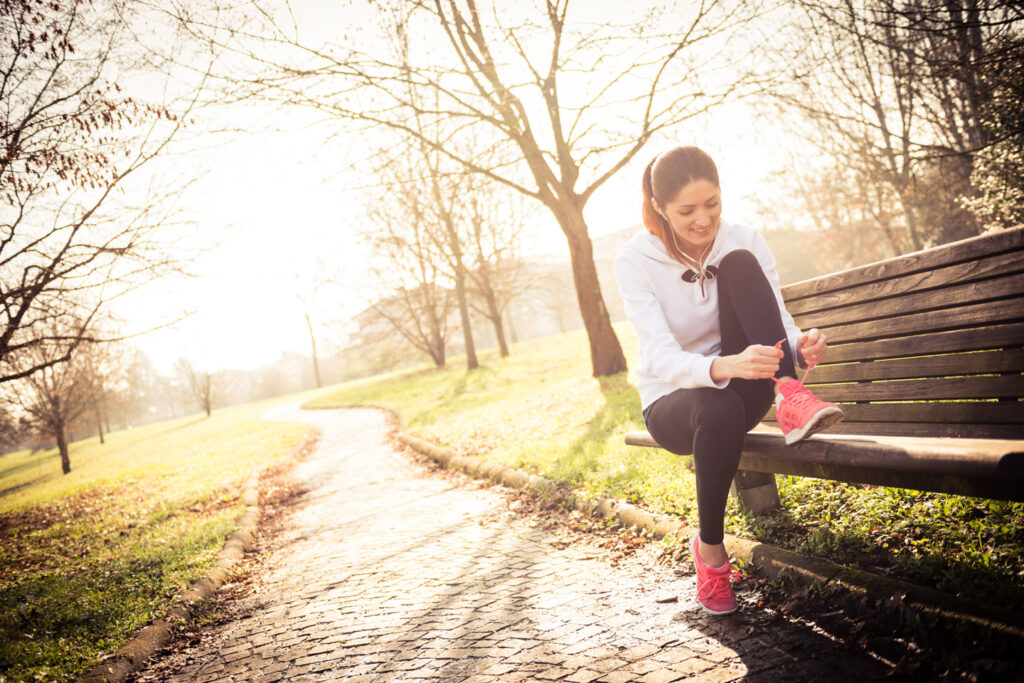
(389, 571)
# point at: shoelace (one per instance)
(803, 388)
(718, 585)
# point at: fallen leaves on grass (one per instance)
(279, 495)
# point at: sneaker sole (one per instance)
(823, 419)
(713, 612)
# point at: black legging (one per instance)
(709, 422)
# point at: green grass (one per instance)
(88, 558)
(541, 411)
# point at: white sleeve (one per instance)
(659, 349)
(767, 261)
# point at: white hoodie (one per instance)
(676, 323)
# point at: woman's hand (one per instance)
(812, 346)
(754, 362)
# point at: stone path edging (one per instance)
(770, 561)
(132, 656)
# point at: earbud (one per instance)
(657, 208)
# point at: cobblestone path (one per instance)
(388, 571)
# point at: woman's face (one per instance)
(694, 215)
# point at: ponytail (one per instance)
(652, 219)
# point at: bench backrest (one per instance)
(926, 344)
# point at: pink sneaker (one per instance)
(714, 586)
(800, 413)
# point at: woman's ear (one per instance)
(657, 209)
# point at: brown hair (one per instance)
(664, 177)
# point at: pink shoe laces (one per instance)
(778, 345)
(718, 585)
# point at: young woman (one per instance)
(716, 343)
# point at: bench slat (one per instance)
(978, 467)
(958, 252)
(977, 412)
(924, 366)
(992, 337)
(972, 271)
(925, 429)
(1005, 310)
(948, 297)
(950, 388)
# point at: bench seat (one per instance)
(988, 468)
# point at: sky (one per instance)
(273, 206)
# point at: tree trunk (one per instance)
(62, 446)
(912, 230)
(606, 357)
(467, 330)
(99, 426)
(437, 352)
(495, 316)
(316, 362)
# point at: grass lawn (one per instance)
(541, 411)
(89, 557)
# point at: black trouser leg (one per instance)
(711, 423)
(748, 312)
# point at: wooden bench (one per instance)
(926, 353)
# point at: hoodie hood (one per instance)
(647, 244)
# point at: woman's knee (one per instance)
(739, 261)
(722, 410)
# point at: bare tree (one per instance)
(572, 103)
(308, 293)
(410, 263)
(443, 220)
(450, 239)
(13, 430)
(854, 218)
(109, 370)
(496, 223)
(419, 315)
(893, 91)
(312, 342)
(132, 387)
(55, 394)
(98, 365)
(444, 189)
(199, 383)
(69, 139)
(998, 170)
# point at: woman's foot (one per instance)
(714, 586)
(800, 413)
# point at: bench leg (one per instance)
(756, 491)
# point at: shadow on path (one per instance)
(442, 581)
